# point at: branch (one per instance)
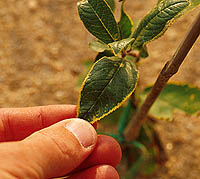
(170, 68)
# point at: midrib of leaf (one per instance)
(101, 20)
(161, 12)
(142, 30)
(104, 88)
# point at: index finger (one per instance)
(18, 123)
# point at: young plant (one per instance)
(113, 77)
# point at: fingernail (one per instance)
(83, 131)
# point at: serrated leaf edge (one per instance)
(187, 11)
(161, 118)
(113, 109)
(169, 23)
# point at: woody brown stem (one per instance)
(170, 68)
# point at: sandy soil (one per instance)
(43, 45)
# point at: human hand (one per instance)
(43, 142)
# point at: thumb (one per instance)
(52, 152)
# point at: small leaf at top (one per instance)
(121, 45)
(174, 97)
(109, 83)
(111, 3)
(99, 20)
(125, 23)
(98, 46)
(194, 3)
(155, 23)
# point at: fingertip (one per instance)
(117, 151)
(97, 172)
(109, 149)
(62, 147)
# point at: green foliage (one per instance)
(125, 23)
(99, 96)
(175, 97)
(87, 65)
(155, 23)
(98, 46)
(159, 1)
(134, 169)
(99, 20)
(111, 3)
(125, 118)
(135, 166)
(194, 3)
(116, 47)
(120, 46)
(106, 53)
(113, 77)
(144, 53)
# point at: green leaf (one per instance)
(143, 52)
(106, 53)
(121, 45)
(155, 23)
(125, 23)
(175, 97)
(135, 168)
(159, 1)
(125, 118)
(111, 3)
(98, 46)
(139, 162)
(136, 22)
(140, 146)
(109, 83)
(86, 67)
(130, 57)
(99, 20)
(194, 3)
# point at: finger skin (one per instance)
(97, 172)
(51, 152)
(18, 123)
(107, 151)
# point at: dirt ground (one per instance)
(43, 45)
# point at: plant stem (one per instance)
(170, 68)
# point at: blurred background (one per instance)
(43, 48)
